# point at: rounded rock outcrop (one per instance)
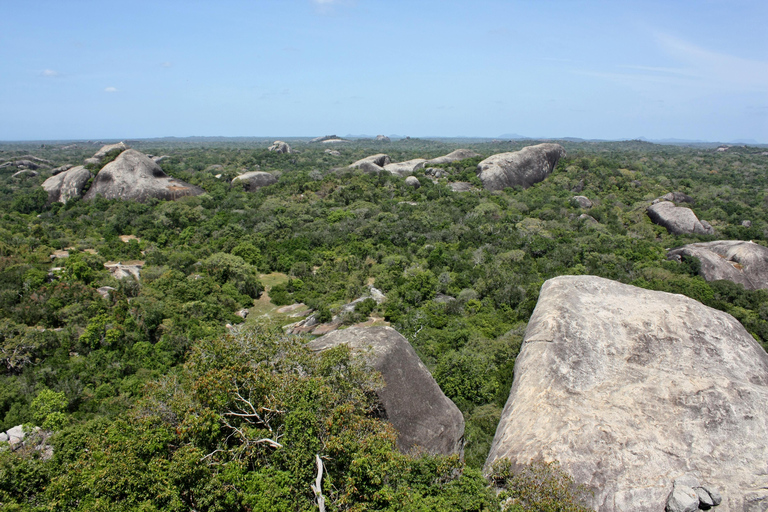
(582, 201)
(254, 180)
(66, 185)
(107, 151)
(632, 389)
(280, 147)
(405, 168)
(453, 156)
(520, 168)
(413, 181)
(412, 401)
(135, 176)
(745, 263)
(373, 163)
(677, 219)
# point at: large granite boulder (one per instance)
(453, 156)
(280, 147)
(745, 263)
(323, 138)
(135, 176)
(677, 219)
(520, 168)
(632, 390)
(411, 399)
(108, 151)
(67, 184)
(373, 163)
(405, 168)
(254, 180)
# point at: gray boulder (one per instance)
(460, 186)
(26, 164)
(254, 180)
(677, 219)
(520, 168)
(411, 399)
(412, 181)
(682, 499)
(280, 147)
(108, 151)
(382, 138)
(66, 185)
(746, 223)
(745, 263)
(405, 168)
(135, 176)
(582, 201)
(675, 197)
(61, 169)
(24, 173)
(373, 163)
(332, 152)
(453, 156)
(630, 389)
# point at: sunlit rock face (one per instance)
(678, 220)
(745, 263)
(135, 176)
(519, 168)
(633, 390)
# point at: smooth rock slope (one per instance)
(135, 176)
(520, 168)
(745, 263)
(633, 390)
(412, 401)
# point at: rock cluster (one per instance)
(108, 151)
(688, 496)
(280, 147)
(677, 219)
(411, 400)
(372, 164)
(631, 389)
(519, 168)
(382, 138)
(67, 185)
(745, 263)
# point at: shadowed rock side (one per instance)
(135, 176)
(453, 156)
(745, 263)
(520, 168)
(413, 402)
(67, 184)
(254, 180)
(373, 163)
(677, 219)
(280, 147)
(632, 390)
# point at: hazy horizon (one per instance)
(84, 70)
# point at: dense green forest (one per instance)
(134, 388)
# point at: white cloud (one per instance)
(110, 89)
(49, 72)
(166, 64)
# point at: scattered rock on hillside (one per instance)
(24, 173)
(105, 291)
(254, 180)
(746, 223)
(453, 156)
(588, 219)
(382, 138)
(405, 168)
(677, 219)
(121, 270)
(412, 181)
(675, 197)
(520, 168)
(435, 173)
(110, 150)
(280, 147)
(67, 184)
(745, 263)
(134, 176)
(631, 389)
(61, 169)
(460, 186)
(411, 399)
(582, 201)
(372, 164)
(332, 152)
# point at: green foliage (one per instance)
(48, 409)
(538, 487)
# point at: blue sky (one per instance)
(593, 69)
